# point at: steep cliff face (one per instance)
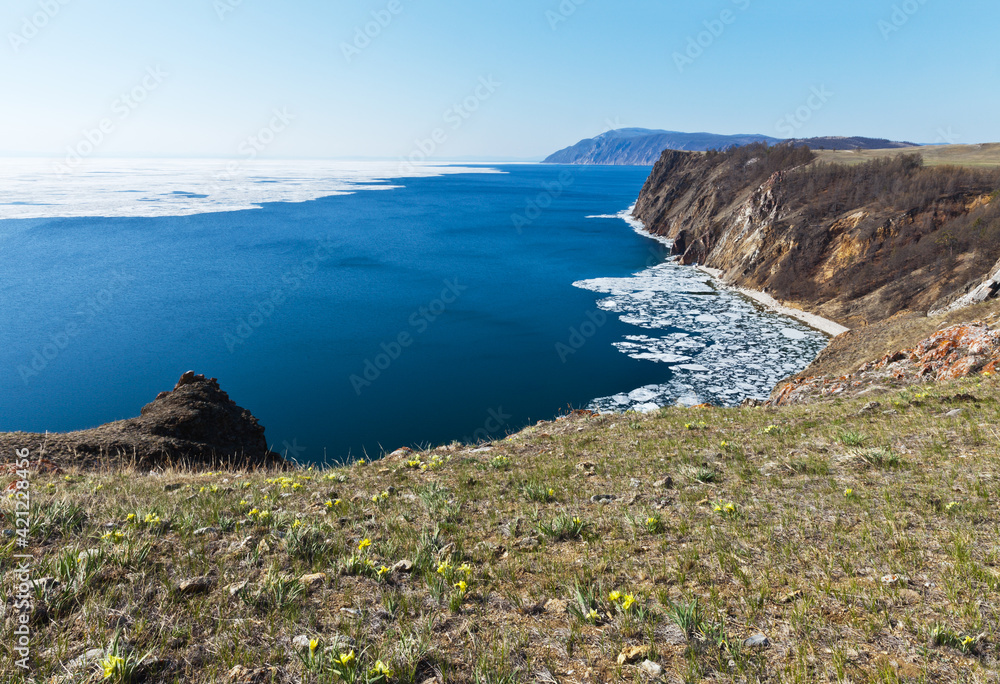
(855, 244)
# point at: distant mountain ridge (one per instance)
(643, 146)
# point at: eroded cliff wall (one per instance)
(856, 244)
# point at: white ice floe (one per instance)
(36, 188)
(721, 347)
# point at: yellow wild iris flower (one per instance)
(112, 665)
(364, 544)
(381, 669)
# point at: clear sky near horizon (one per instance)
(483, 79)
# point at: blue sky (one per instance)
(484, 79)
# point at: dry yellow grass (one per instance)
(986, 154)
(864, 545)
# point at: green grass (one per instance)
(864, 545)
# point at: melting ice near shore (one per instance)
(720, 346)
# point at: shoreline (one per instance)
(824, 325)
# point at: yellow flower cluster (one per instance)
(624, 601)
(726, 508)
(436, 462)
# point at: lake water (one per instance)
(458, 303)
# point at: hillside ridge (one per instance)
(643, 147)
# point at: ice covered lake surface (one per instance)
(351, 321)
(720, 346)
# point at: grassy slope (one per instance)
(987, 154)
(796, 559)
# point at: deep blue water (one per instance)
(128, 304)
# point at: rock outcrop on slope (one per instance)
(194, 424)
(955, 352)
(855, 244)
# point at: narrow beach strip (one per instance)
(818, 322)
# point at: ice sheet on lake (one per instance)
(40, 188)
(720, 346)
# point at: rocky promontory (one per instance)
(196, 423)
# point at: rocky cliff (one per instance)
(194, 424)
(856, 244)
